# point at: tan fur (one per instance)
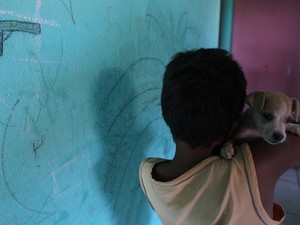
(267, 117)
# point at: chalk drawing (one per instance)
(126, 73)
(55, 173)
(3, 169)
(119, 192)
(120, 144)
(42, 61)
(69, 9)
(171, 32)
(58, 174)
(38, 42)
(40, 212)
(114, 29)
(2, 154)
(152, 90)
(129, 115)
(48, 84)
(29, 18)
(9, 26)
(128, 103)
(47, 101)
(37, 144)
(38, 4)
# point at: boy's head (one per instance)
(203, 93)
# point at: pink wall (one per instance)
(266, 41)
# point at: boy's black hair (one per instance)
(203, 93)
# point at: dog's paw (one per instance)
(227, 150)
(294, 128)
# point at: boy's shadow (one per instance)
(124, 143)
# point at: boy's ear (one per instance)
(295, 108)
(256, 100)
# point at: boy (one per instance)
(203, 94)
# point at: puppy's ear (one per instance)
(256, 100)
(295, 108)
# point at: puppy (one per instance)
(269, 116)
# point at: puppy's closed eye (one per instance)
(289, 119)
(268, 116)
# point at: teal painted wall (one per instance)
(79, 96)
(226, 23)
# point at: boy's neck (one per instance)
(185, 159)
(188, 157)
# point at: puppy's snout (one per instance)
(277, 136)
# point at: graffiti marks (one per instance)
(9, 26)
(69, 9)
(37, 144)
(14, 25)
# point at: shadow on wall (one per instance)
(125, 134)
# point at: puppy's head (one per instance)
(272, 112)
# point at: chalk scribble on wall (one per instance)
(7, 27)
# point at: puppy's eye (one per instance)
(268, 116)
(289, 119)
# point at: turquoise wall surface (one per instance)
(80, 104)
